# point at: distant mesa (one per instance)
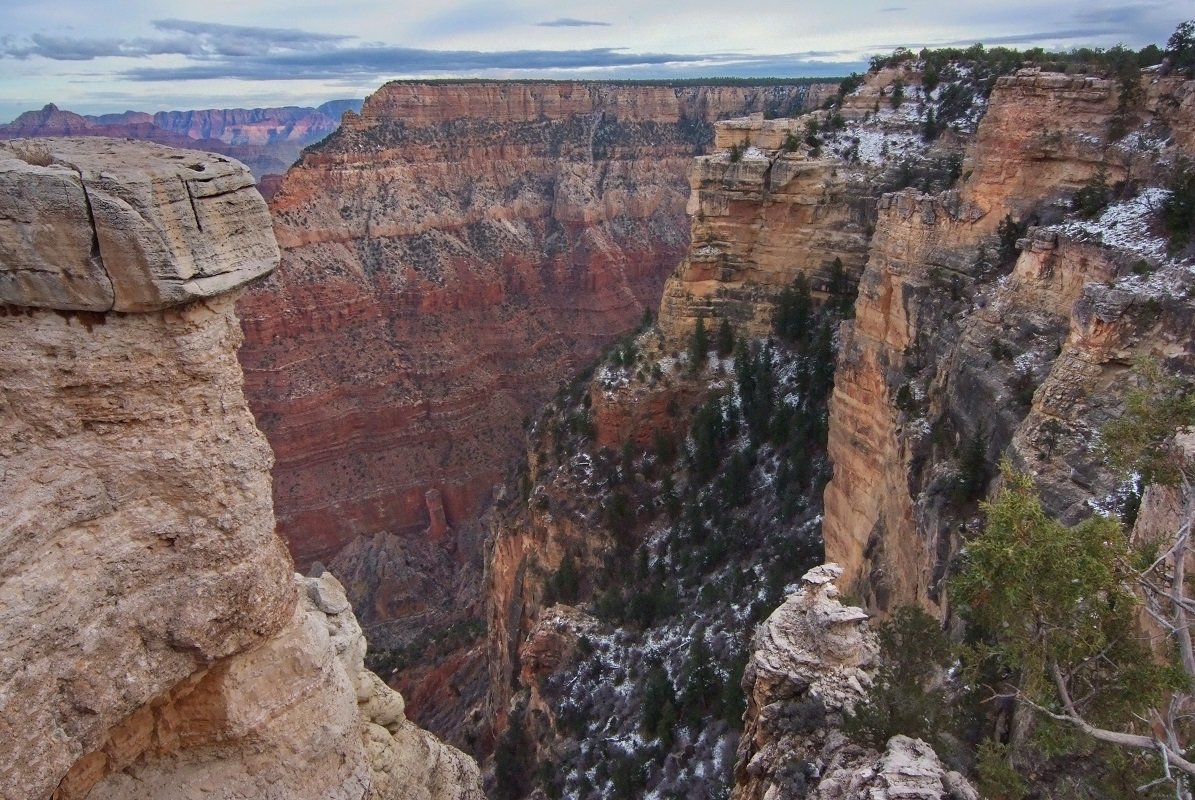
(267, 140)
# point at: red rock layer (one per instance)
(450, 255)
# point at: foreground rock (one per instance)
(812, 662)
(109, 225)
(153, 642)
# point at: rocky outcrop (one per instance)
(908, 768)
(96, 225)
(155, 643)
(812, 661)
(783, 198)
(813, 657)
(759, 221)
(450, 255)
(521, 558)
(298, 717)
(959, 342)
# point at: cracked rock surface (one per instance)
(114, 225)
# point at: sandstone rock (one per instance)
(908, 768)
(122, 226)
(299, 717)
(812, 657)
(756, 225)
(815, 652)
(139, 543)
(1016, 360)
(153, 642)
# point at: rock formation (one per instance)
(154, 640)
(451, 256)
(760, 219)
(812, 657)
(811, 662)
(783, 198)
(927, 370)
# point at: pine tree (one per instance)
(699, 346)
(725, 344)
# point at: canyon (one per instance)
(622, 560)
(450, 257)
(992, 320)
(156, 641)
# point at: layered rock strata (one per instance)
(948, 352)
(154, 641)
(759, 220)
(448, 256)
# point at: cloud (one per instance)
(238, 40)
(216, 51)
(891, 9)
(185, 37)
(368, 62)
(1086, 34)
(473, 17)
(1118, 17)
(570, 22)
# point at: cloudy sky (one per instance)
(96, 56)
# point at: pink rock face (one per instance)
(450, 256)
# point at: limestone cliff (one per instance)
(793, 197)
(450, 256)
(154, 640)
(927, 370)
(759, 221)
(812, 661)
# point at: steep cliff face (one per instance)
(449, 256)
(253, 126)
(927, 373)
(759, 222)
(784, 198)
(155, 641)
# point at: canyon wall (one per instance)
(155, 641)
(953, 334)
(759, 221)
(449, 256)
(927, 369)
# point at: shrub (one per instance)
(794, 310)
(974, 471)
(725, 341)
(35, 153)
(913, 651)
(998, 779)
(699, 346)
(1091, 200)
(1180, 47)
(1179, 208)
